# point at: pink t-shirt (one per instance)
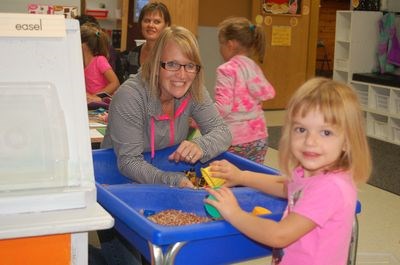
(240, 89)
(94, 74)
(329, 200)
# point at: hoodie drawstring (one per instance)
(164, 117)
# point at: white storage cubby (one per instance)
(362, 93)
(395, 101)
(395, 130)
(378, 126)
(380, 98)
(356, 40)
(381, 105)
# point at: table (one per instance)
(161, 245)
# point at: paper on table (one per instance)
(96, 125)
(95, 134)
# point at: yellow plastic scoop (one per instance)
(258, 210)
(211, 181)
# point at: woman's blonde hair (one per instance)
(189, 46)
(248, 35)
(340, 107)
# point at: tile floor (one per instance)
(379, 220)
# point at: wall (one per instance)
(111, 6)
(21, 6)
(211, 13)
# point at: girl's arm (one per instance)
(113, 82)
(224, 87)
(215, 134)
(271, 184)
(266, 231)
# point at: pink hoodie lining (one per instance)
(164, 117)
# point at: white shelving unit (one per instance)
(117, 18)
(356, 41)
(382, 107)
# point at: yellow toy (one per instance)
(258, 210)
(211, 181)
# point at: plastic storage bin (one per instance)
(208, 243)
(45, 155)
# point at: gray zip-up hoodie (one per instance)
(136, 119)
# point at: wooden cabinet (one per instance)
(115, 21)
(122, 22)
(356, 42)
(184, 13)
(290, 64)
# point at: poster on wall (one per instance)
(291, 7)
(67, 11)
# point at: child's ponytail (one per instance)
(96, 39)
(250, 36)
(259, 41)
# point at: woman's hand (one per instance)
(187, 151)
(226, 170)
(185, 183)
(225, 202)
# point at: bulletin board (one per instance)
(292, 7)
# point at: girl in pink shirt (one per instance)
(99, 75)
(323, 153)
(241, 87)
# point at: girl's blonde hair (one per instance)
(340, 107)
(249, 36)
(96, 39)
(189, 46)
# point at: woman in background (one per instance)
(153, 18)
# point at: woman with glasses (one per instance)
(150, 111)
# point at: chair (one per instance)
(323, 61)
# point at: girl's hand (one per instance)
(187, 151)
(225, 202)
(92, 98)
(226, 170)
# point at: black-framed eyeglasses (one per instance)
(174, 66)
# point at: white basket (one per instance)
(382, 102)
(381, 129)
(396, 134)
(397, 105)
(362, 96)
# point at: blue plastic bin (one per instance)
(216, 242)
